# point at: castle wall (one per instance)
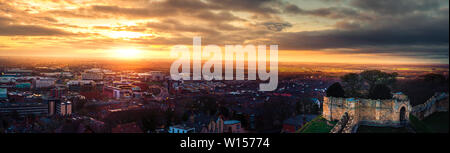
(437, 103)
(367, 111)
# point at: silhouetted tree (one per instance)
(374, 77)
(207, 104)
(169, 116)
(419, 90)
(148, 124)
(380, 91)
(434, 78)
(335, 90)
(185, 116)
(352, 84)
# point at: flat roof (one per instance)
(231, 122)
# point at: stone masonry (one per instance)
(392, 112)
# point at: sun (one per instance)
(127, 53)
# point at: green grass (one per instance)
(374, 129)
(419, 125)
(317, 125)
(437, 122)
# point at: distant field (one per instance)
(317, 125)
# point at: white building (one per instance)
(43, 82)
(153, 75)
(93, 74)
(19, 71)
(80, 82)
(7, 79)
(58, 74)
(181, 129)
(3, 93)
(64, 108)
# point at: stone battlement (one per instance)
(391, 112)
(437, 103)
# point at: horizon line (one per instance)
(168, 59)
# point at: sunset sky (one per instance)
(351, 31)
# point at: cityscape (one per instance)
(94, 96)
(104, 66)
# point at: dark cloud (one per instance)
(223, 16)
(400, 27)
(9, 28)
(291, 8)
(148, 9)
(329, 12)
(395, 7)
(276, 26)
(226, 27)
(347, 25)
(5, 19)
(414, 34)
(194, 8)
(255, 6)
(29, 30)
(49, 19)
(171, 25)
(79, 13)
(132, 12)
(409, 32)
(170, 8)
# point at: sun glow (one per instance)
(126, 34)
(127, 53)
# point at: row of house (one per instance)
(38, 108)
(208, 125)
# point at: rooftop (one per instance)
(229, 122)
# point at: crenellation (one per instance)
(437, 103)
(391, 112)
